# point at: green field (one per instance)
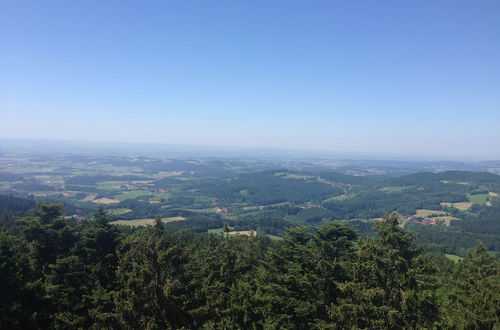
(131, 195)
(110, 185)
(207, 210)
(480, 199)
(453, 257)
(119, 211)
(462, 206)
(218, 231)
(427, 213)
(338, 198)
(145, 222)
(298, 176)
(394, 189)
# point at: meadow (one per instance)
(145, 222)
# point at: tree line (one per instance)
(60, 273)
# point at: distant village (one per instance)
(426, 221)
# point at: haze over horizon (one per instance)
(418, 78)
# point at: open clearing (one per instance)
(390, 189)
(296, 176)
(89, 198)
(338, 198)
(207, 210)
(145, 222)
(131, 194)
(453, 257)
(105, 201)
(163, 174)
(480, 199)
(493, 194)
(455, 182)
(110, 185)
(119, 211)
(462, 206)
(426, 213)
(249, 233)
(42, 193)
(252, 208)
(145, 182)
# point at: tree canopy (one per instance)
(57, 272)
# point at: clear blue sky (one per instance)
(417, 77)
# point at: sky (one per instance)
(399, 77)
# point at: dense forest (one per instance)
(57, 272)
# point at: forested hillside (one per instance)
(260, 165)
(452, 210)
(64, 273)
(318, 254)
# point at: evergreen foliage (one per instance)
(58, 273)
(475, 296)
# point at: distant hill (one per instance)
(345, 178)
(16, 205)
(458, 177)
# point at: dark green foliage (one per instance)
(486, 221)
(265, 188)
(68, 268)
(270, 222)
(221, 276)
(313, 215)
(299, 278)
(343, 178)
(454, 240)
(56, 273)
(98, 244)
(32, 185)
(364, 228)
(474, 300)
(90, 180)
(14, 270)
(11, 206)
(391, 286)
(88, 189)
(198, 223)
(417, 191)
(48, 212)
(374, 203)
(149, 294)
(15, 205)
(10, 177)
(427, 178)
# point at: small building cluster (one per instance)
(420, 220)
(222, 211)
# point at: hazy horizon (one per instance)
(382, 78)
(210, 151)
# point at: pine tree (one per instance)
(98, 248)
(475, 299)
(14, 273)
(221, 276)
(391, 286)
(149, 294)
(299, 279)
